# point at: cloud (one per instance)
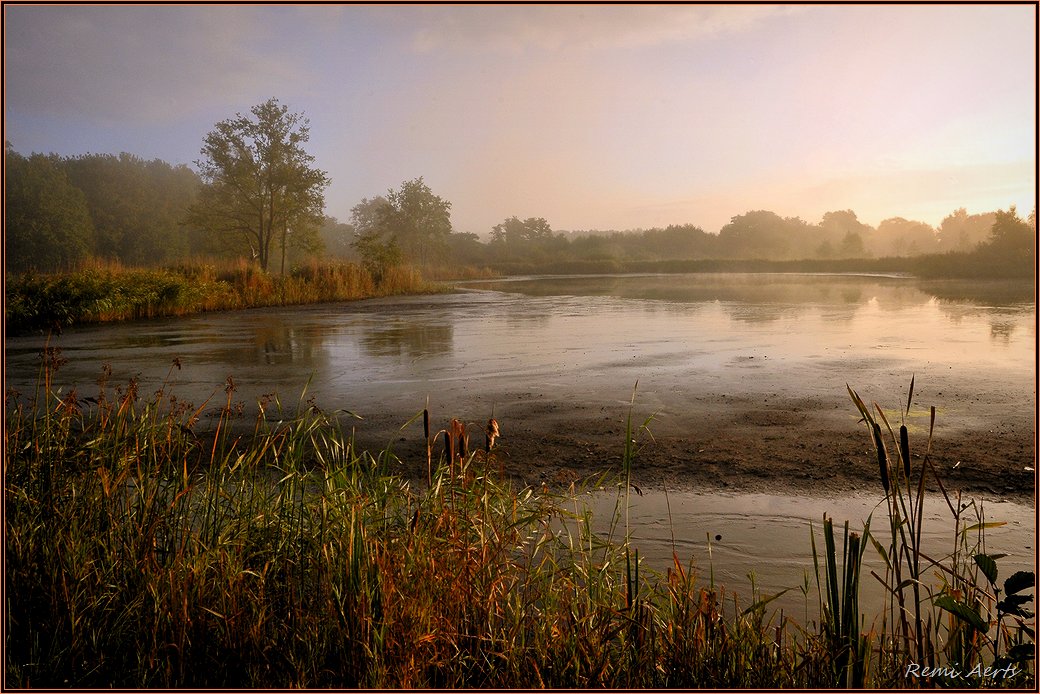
(511, 30)
(142, 63)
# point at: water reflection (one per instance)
(779, 288)
(409, 339)
(1001, 330)
(696, 288)
(268, 341)
(583, 338)
(735, 525)
(984, 292)
(764, 299)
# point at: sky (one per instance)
(591, 116)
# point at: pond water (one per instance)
(588, 340)
(579, 344)
(736, 538)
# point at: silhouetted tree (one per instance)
(528, 240)
(1011, 235)
(842, 235)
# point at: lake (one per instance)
(556, 361)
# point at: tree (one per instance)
(418, 220)
(903, 237)
(373, 241)
(527, 238)
(138, 207)
(514, 232)
(960, 231)
(1011, 235)
(46, 222)
(842, 234)
(260, 184)
(337, 237)
(764, 234)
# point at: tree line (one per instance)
(256, 193)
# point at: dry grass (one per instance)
(104, 292)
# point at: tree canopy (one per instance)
(260, 183)
(47, 225)
(418, 220)
(138, 207)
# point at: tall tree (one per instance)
(373, 241)
(46, 222)
(260, 184)
(763, 234)
(1011, 234)
(419, 221)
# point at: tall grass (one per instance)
(142, 552)
(104, 292)
(955, 625)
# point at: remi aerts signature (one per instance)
(952, 672)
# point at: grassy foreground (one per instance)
(140, 554)
(107, 292)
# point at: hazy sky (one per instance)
(608, 117)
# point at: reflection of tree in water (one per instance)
(745, 288)
(981, 292)
(852, 295)
(408, 339)
(761, 313)
(1000, 330)
(285, 344)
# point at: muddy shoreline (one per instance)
(789, 446)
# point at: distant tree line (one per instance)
(61, 211)
(257, 195)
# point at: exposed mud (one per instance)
(786, 445)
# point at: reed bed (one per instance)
(142, 551)
(100, 292)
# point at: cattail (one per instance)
(491, 432)
(415, 521)
(882, 456)
(429, 445)
(904, 450)
(448, 448)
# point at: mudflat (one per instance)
(807, 445)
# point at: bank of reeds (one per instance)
(104, 292)
(141, 552)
